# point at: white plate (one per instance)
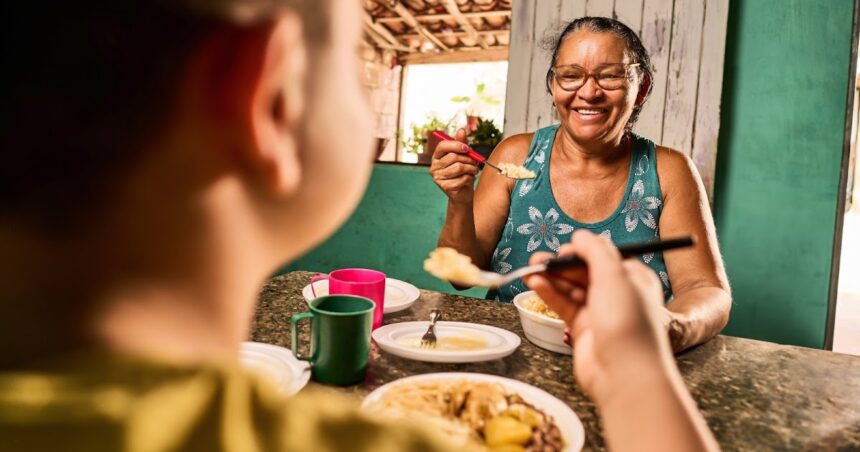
(399, 295)
(572, 431)
(277, 364)
(401, 339)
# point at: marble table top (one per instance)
(754, 395)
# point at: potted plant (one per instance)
(474, 104)
(485, 137)
(418, 142)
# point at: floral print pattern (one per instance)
(544, 229)
(639, 208)
(536, 221)
(499, 264)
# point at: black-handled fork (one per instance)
(492, 279)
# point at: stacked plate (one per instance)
(399, 295)
(276, 364)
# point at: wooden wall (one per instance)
(686, 41)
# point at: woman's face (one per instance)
(591, 114)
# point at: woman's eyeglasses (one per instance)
(571, 77)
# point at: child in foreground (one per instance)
(160, 160)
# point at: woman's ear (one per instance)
(644, 89)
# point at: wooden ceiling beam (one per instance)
(381, 31)
(495, 53)
(454, 10)
(410, 20)
(434, 17)
(457, 33)
(381, 43)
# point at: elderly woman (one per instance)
(592, 172)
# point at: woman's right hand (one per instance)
(454, 171)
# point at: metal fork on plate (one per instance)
(429, 338)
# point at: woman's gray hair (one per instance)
(637, 52)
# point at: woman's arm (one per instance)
(702, 297)
(474, 224)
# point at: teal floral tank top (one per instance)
(537, 223)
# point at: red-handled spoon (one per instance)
(469, 151)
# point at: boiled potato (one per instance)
(505, 430)
(525, 414)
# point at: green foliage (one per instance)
(485, 134)
(474, 101)
(414, 143)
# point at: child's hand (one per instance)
(612, 310)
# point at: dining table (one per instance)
(754, 395)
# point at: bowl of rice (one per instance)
(542, 326)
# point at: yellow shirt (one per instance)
(123, 404)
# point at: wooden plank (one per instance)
(600, 8)
(381, 30)
(571, 10)
(410, 20)
(540, 110)
(383, 43)
(454, 10)
(435, 17)
(630, 13)
(707, 125)
(457, 56)
(456, 33)
(682, 85)
(519, 67)
(656, 35)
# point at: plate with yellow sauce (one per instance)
(456, 342)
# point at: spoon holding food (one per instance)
(508, 170)
(448, 264)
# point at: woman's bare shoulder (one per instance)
(512, 149)
(676, 170)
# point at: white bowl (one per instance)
(545, 332)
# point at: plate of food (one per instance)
(276, 364)
(481, 412)
(542, 326)
(399, 295)
(456, 342)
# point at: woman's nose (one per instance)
(590, 90)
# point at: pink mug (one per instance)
(357, 281)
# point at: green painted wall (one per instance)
(392, 230)
(783, 113)
(781, 139)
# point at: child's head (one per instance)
(181, 146)
(264, 93)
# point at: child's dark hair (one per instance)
(87, 85)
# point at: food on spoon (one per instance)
(446, 263)
(516, 171)
(536, 305)
(474, 415)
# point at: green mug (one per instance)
(340, 338)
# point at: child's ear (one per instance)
(254, 81)
(278, 106)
